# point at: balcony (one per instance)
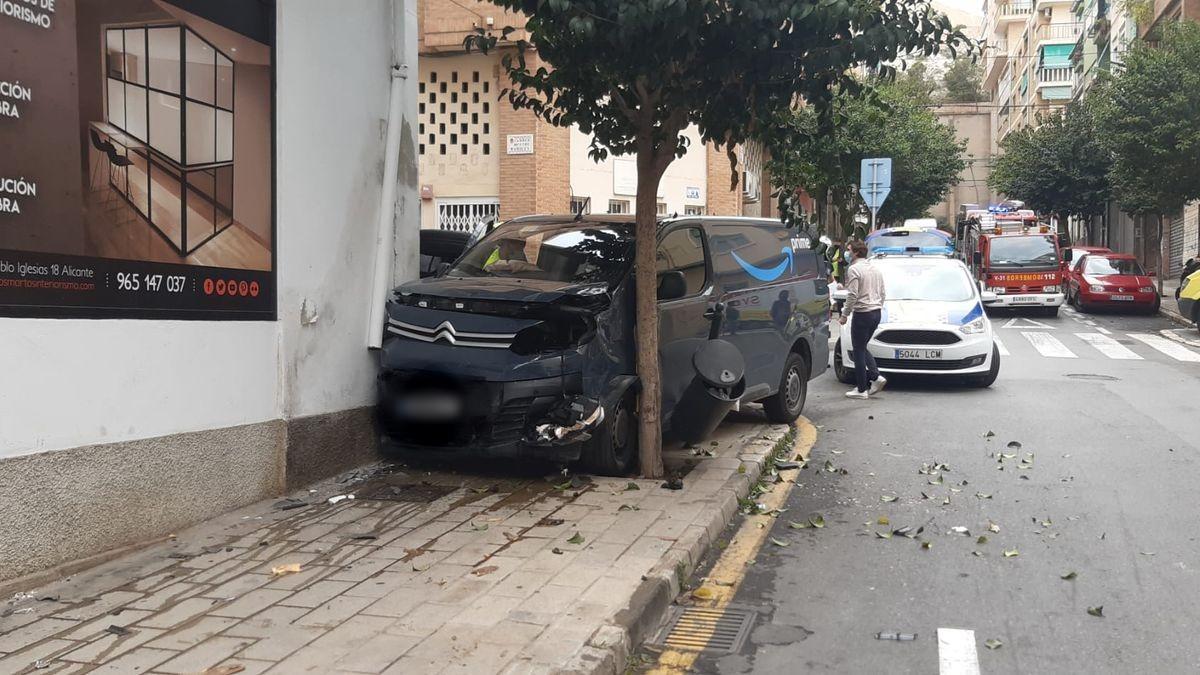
(1059, 32)
(1014, 11)
(1053, 77)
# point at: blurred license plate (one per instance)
(430, 407)
(918, 353)
(1126, 298)
(1025, 298)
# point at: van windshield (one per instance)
(570, 253)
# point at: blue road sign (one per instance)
(875, 181)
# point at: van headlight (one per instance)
(975, 327)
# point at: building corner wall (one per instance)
(722, 201)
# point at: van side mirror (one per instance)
(977, 258)
(671, 285)
(442, 268)
(1067, 254)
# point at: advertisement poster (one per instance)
(136, 176)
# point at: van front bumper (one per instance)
(494, 419)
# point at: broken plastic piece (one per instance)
(569, 421)
(899, 637)
(338, 498)
(784, 465)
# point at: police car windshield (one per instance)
(570, 253)
(932, 281)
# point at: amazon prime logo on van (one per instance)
(768, 273)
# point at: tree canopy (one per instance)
(963, 82)
(927, 158)
(1057, 167)
(634, 74)
(1148, 117)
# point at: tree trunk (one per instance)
(1164, 258)
(646, 284)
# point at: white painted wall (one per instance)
(595, 180)
(68, 383)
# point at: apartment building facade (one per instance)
(1027, 59)
(480, 159)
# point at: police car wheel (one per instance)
(840, 371)
(787, 404)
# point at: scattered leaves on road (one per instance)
(983, 495)
(484, 571)
(883, 520)
(1014, 445)
(926, 545)
(990, 434)
(977, 554)
(575, 539)
(883, 535)
(888, 498)
(1096, 611)
(798, 526)
(1069, 576)
(992, 527)
(994, 643)
(816, 520)
(631, 486)
(1147, 552)
(982, 539)
(479, 527)
(959, 529)
(1012, 553)
(627, 507)
(779, 542)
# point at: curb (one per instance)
(608, 650)
(1174, 316)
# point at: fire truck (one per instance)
(1013, 255)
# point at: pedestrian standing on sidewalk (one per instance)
(864, 300)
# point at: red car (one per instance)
(1071, 257)
(1112, 280)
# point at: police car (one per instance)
(932, 323)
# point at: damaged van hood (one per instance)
(439, 291)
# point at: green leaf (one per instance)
(798, 526)
(1096, 611)
(816, 520)
(982, 539)
(1069, 576)
(1011, 553)
(575, 539)
(888, 498)
(779, 542)
(631, 486)
(993, 643)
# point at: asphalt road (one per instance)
(1111, 434)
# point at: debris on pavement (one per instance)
(290, 503)
(283, 570)
(672, 483)
(1096, 611)
(339, 498)
(898, 637)
(994, 643)
(1069, 576)
(119, 631)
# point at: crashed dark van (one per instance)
(524, 346)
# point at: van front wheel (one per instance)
(612, 450)
(787, 404)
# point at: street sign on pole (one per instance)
(875, 183)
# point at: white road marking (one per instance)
(1108, 346)
(1012, 323)
(1048, 345)
(1181, 335)
(1001, 347)
(1171, 349)
(957, 654)
(1104, 330)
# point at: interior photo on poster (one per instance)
(136, 177)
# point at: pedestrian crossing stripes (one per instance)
(1171, 349)
(1108, 346)
(1104, 344)
(1048, 345)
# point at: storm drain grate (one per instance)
(421, 493)
(701, 629)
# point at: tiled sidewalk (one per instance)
(466, 574)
